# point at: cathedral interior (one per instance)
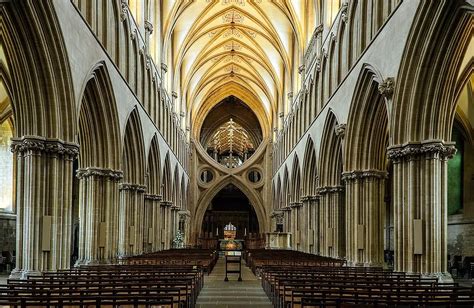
(335, 132)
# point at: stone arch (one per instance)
(98, 130)
(310, 170)
(295, 180)
(424, 104)
(365, 169)
(42, 87)
(167, 183)
(134, 150)
(332, 212)
(212, 192)
(154, 168)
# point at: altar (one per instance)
(230, 243)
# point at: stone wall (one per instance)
(460, 235)
(7, 232)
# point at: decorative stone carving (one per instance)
(278, 216)
(281, 114)
(386, 87)
(166, 203)
(340, 130)
(114, 175)
(153, 197)
(301, 69)
(430, 149)
(361, 174)
(330, 189)
(174, 94)
(164, 67)
(123, 10)
(132, 187)
(148, 27)
(42, 145)
(344, 13)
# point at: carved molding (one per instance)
(344, 13)
(132, 187)
(123, 10)
(42, 145)
(428, 149)
(114, 175)
(166, 203)
(330, 189)
(153, 197)
(364, 174)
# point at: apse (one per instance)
(230, 205)
(231, 132)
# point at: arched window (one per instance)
(6, 167)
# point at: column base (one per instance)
(15, 274)
(26, 273)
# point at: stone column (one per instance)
(174, 221)
(185, 219)
(98, 215)
(166, 224)
(365, 216)
(131, 216)
(44, 178)
(332, 221)
(315, 209)
(295, 227)
(152, 238)
(306, 236)
(420, 206)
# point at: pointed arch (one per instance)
(134, 150)
(167, 182)
(296, 180)
(154, 167)
(310, 170)
(330, 153)
(98, 123)
(367, 141)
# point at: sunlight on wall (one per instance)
(6, 168)
(332, 8)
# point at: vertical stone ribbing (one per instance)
(44, 177)
(166, 226)
(152, 240)
(98, 215)
(131, 215)
(331, 221)
(365, 205)
(420, 204)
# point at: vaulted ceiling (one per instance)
(247, 48)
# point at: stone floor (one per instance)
(217, 293)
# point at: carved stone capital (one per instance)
(132, 187)
(296, 204)
(109, 174)
(41, 145)
(386, 87)
(428, 149)
(364, 174)
(153, 197)
(330, 190)
(166, 203)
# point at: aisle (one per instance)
(217, 293)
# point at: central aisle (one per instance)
(217, 293)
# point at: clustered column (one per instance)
(296, 220)
(166, 224)
(152, 223)
(98, 215)
(331, 221)
(44, 178)
(131, 227)
(420, 206)
(174, 221)
(365, 217)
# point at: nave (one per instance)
(195, 278)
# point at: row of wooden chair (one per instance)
(134, 284)
(336, 285)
